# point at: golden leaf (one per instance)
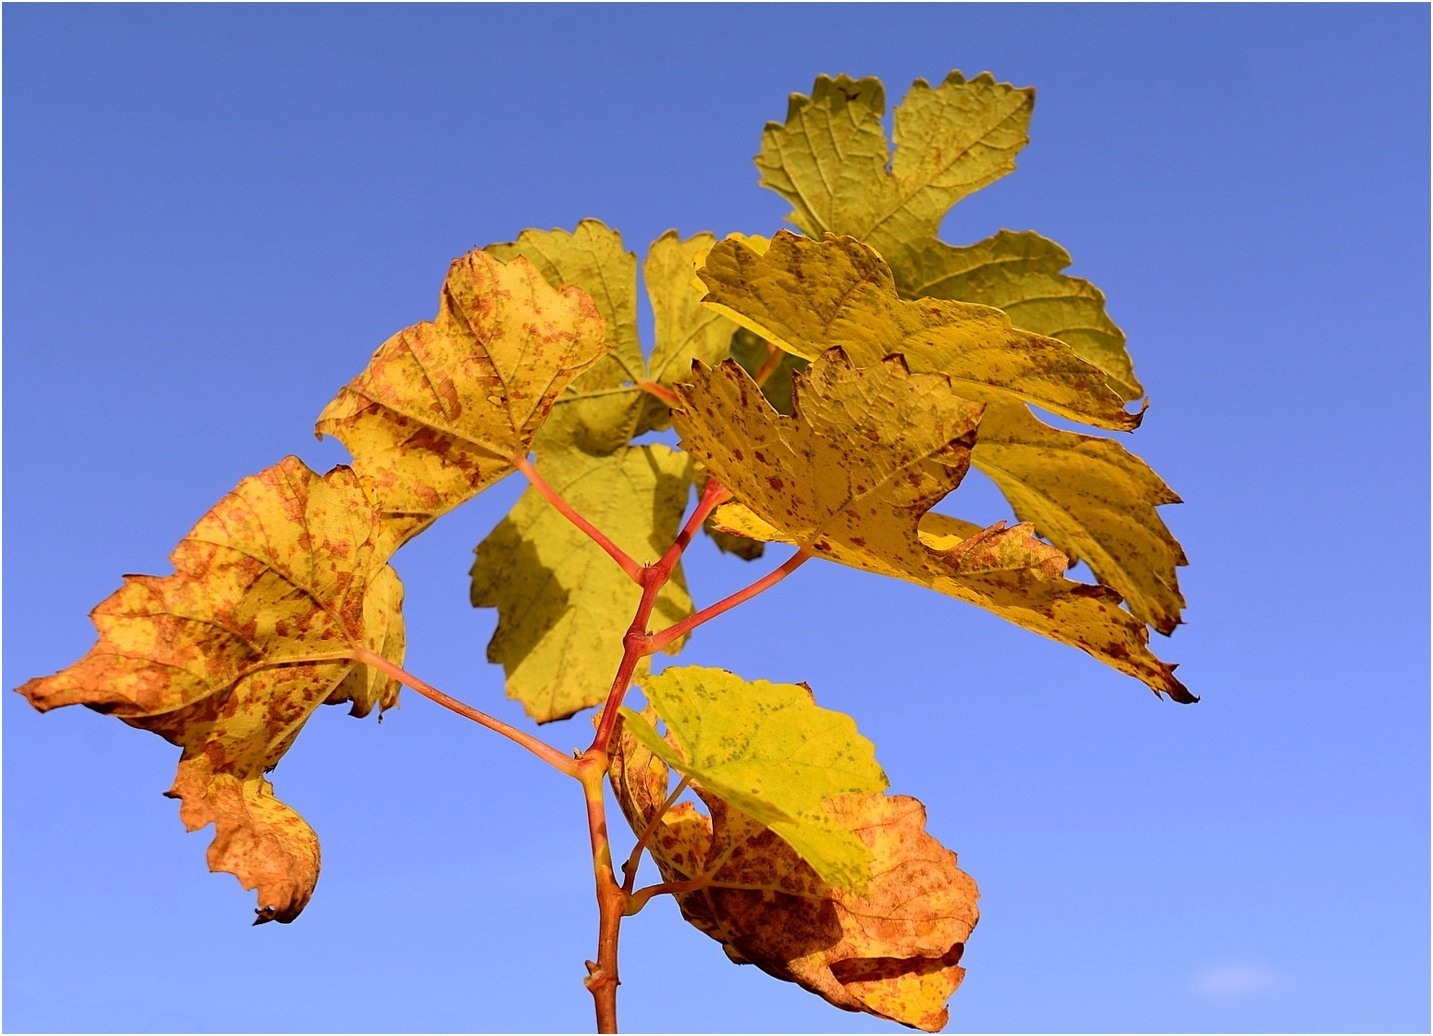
(1091, 497)
(606, 408)
(445, 407)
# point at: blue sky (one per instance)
(213, 215)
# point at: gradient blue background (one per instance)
(214, 214)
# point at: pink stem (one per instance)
(541, 749)
(680, 629)
(633, 570)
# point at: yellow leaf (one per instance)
(1090, 497)
(1021, 274)
(850, 475)
(606, 408)
(769, 750)
(832, 161)
(1094, 500)
(599, 409)
(892, 950)
(229, 656)
(807, 296)
(444, 407)
(563, 604)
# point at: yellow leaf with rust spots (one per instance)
(831, 159)
(770, 751)
(563, 604)
(445, 407)
(807, 296)
(229, 656)
(606, 408)
(892, 950)
(1094, 500)
(850, 475)
(1091, 497)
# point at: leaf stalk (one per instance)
(623, 559)
(557, 760)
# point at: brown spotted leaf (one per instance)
(1091, 497)
(228, 657)
(446, 406)
(831, 158)
(807, 296)
(891, 950)
(850, 475)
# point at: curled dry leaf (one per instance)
(229, 656)
(892, 950)
(445, 407)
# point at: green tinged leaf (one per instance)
(563, 604)
(768, 750)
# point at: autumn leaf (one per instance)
(272, 592)
(807, 296)
(769, 750)
(607, 407)
(562, 602)
(850, 475)
(1089, 496)
(831, 159)
(892, 950)
(445, 407)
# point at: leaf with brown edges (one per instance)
(228, 657)
(891, 950)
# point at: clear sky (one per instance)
(213, 215)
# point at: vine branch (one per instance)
(557, 760)
(632, 568)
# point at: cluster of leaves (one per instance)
(838, 385)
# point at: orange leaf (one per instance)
(892, 951)
(229, 656)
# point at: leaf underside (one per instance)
(891, 949)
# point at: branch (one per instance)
(563, 763)
(680, 629)
(663, 393)
(774, 356)
(629, 869)
(598, 537)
